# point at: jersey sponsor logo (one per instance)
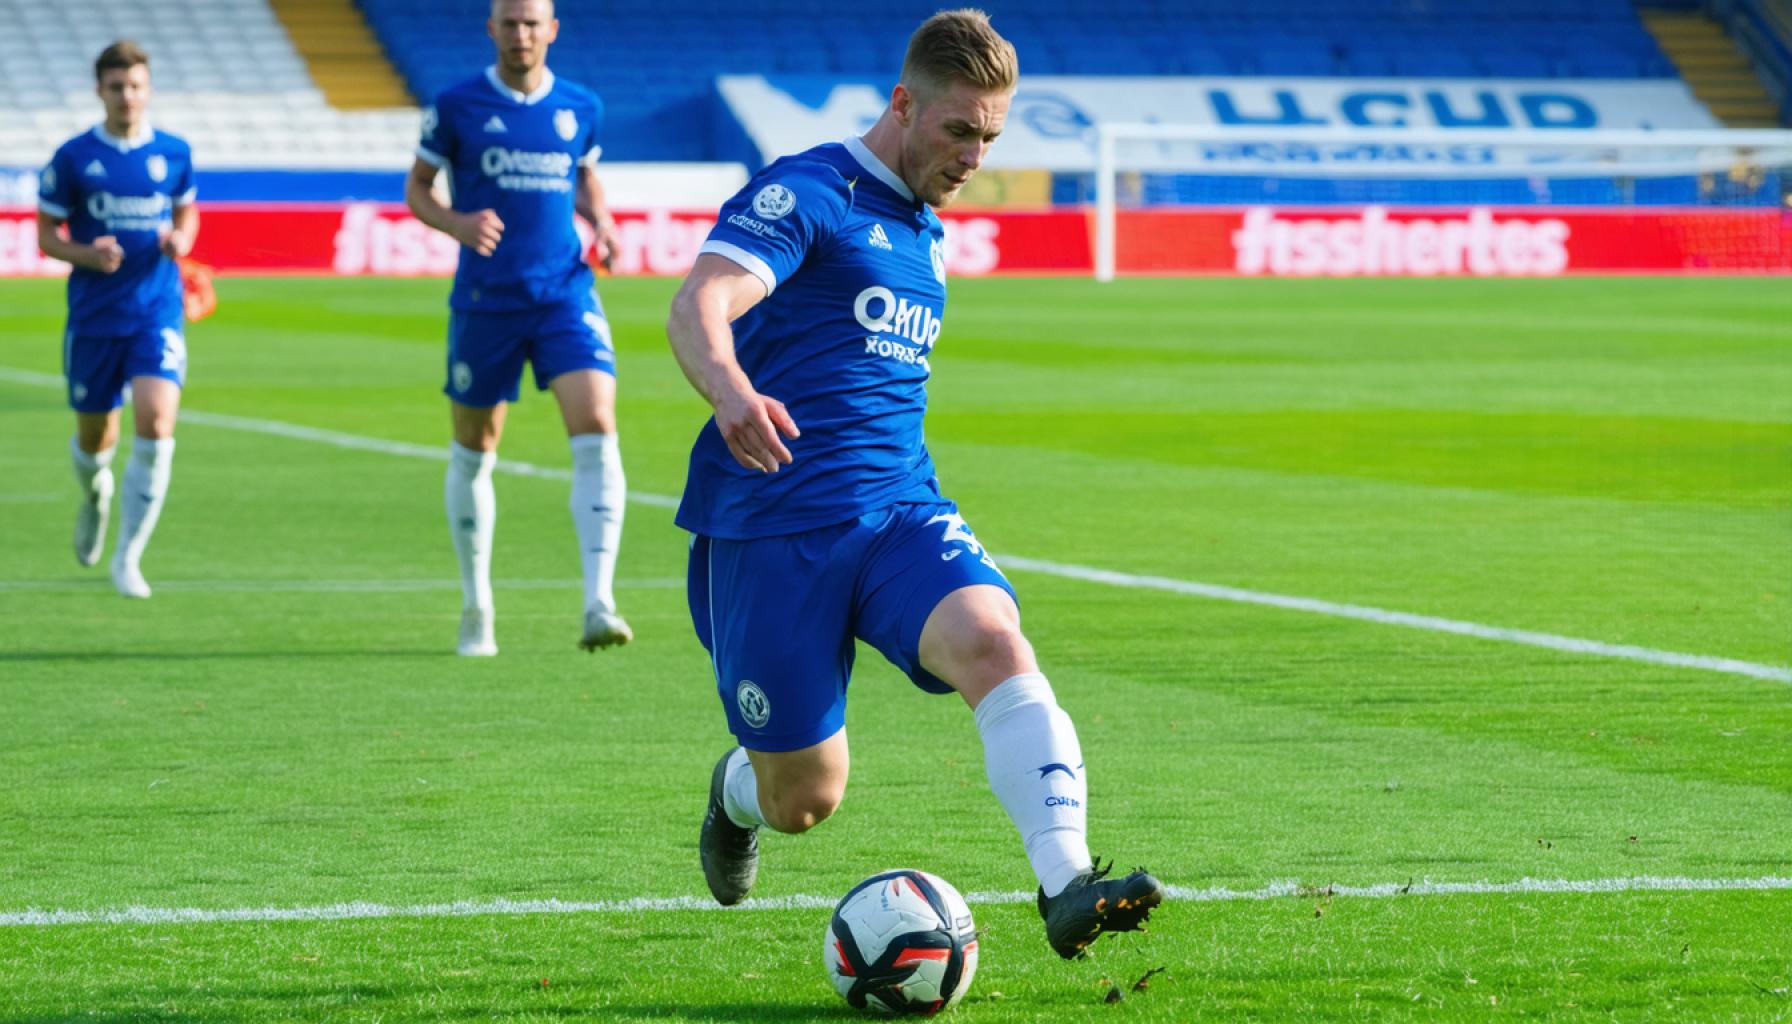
(128, 213)
(566, 124)
(879, 310)
(495, 126)
(755, 706)
(518, 170)
(95, 169)
(774, 202)
(748, 224)
(430, 120)
(157, 166)
(878, 239)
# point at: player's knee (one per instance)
(992, 647)
(794, 809)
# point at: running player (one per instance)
(813, 502)
(520, 149)
(125, 193)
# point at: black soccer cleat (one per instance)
(1093, 903)
(730, 853)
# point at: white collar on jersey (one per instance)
(868, 160)
(527, 99)
(143, 136)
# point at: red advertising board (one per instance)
(353, 239)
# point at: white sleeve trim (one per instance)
(52, 209)
(748, 262)
(187, 198)
(432, 158)
(590, 158)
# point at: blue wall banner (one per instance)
(1051, 125)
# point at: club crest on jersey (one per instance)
(158, 167)
(755, 706)
(937, 251)
(774, 201)
(48, 178)
(566, 124)
(430, 120)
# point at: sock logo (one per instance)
(1056, 766)
(1062, 801)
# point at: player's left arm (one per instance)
(178, 242)
(588, 200)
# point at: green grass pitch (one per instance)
(284, 724)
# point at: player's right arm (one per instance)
(478, 231)
(104, 255)
(717, 291)
(56, 196)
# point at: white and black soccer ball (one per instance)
(902, 942)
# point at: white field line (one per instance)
(1550, 641)
(274, 586)
(644, 904)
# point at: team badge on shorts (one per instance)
(462, 375)
(774, 201)
(566, 123)
(755, 707)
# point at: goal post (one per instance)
(1724, 197)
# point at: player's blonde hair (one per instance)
(959, 46)
(120, 56)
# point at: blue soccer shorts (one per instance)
(778, 614)
(486, 351)
(99, 366)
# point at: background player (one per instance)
(816, 512)
(125, 192)
(520, 147)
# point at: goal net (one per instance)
(1188, 199)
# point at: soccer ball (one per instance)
(902, 942)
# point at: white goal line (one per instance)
(1091, 574)
(361, 911)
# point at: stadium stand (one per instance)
(227, 77)
(657, 82)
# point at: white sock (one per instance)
(598, 492)
(472, 518)
(740, 791)
(140, 504)
(1036, 769)
(89, 465)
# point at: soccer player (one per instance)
(520, 148)
(807, 322)
(125, 193)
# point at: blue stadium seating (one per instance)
(655, 64)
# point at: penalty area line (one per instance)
(362, 911)
(1088, 574)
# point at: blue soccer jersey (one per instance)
(516, 154)
(126, 188)
(854, 267)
